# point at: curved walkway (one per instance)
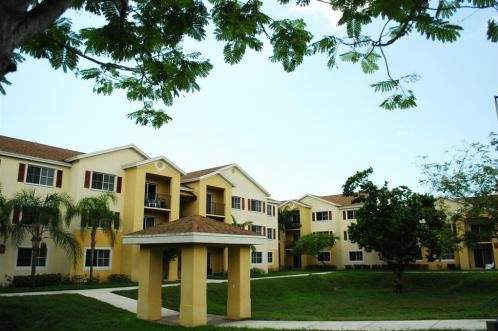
(171, 316)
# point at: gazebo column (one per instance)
(193, 305)
(239, 283)
(149, 286)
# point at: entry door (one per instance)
(483, 254)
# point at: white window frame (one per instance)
(256, 257)
(356, 252)
(270, 257)
(269, 210)
(255, 205)
(236, 202)
(87, 249)
(269, 233)
(45, 174)
(321, 216)
(148, 218)
(324, 261)
(258, 229)
(104, 182)
(353, 211)
(29, 266)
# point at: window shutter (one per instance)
(58, 181)
(243, 203)
(264, 231)
(248, 204)
(344, 214)
(273, 213)
(313, 216)
(119, 184)
(274, 233)
(15, 215)
(264, 207)
(88, 175)
(20, 173)
(330, 215)
(345, 235)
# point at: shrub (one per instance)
(257, 271)
(118, 278)
(40, 280)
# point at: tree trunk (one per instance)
(35, 252)
(18, 25)
(93, 243)
(399, 280)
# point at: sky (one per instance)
(295, 133)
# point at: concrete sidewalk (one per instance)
(172, 317)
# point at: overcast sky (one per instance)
(295, 133)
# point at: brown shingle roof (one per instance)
(200, 173)
(339, 199)
(195, 223)
(29, 148)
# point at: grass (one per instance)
(66, 287)
(357, 295)
(73, 312)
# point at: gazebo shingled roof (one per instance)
(195, 223)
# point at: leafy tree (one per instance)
(312, 244)
(242, 225)
(138, 45)
(42, 218)
(470, 177)
(396, 223)
(96, 214)
(286, 219)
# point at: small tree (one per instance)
(396, 223)
(5, 210)
(42, 218)
(96, 214)
(312, 244)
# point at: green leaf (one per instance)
(492, 31)
(351, 56)
(437, 29)
(385, 86)
(400, 101)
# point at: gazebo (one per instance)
(193, 235)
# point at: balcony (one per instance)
(215, 208)
(159, 201)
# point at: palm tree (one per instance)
(96, 214)
(5, 209)
(42, 218)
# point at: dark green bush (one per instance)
(40, 280)
(118, 278)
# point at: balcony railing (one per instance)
(161, 201)
(215, 208)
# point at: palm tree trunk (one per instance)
(35, 251)
(399, 281)
(92, 250)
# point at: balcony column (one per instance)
(239, 283)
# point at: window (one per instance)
(271, 233)
(101, 258)
(104, 182)
(269, 210)
(149, 221)
(255, 205)
(449, 255)
(356, 256)
(235, 202)
(322, 215)
(40, 175)
(324, 256)
(349, 214)
(257, 257)
(24, 256)
(270, 257)
(258, 229)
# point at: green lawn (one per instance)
(361, 296)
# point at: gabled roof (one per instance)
(110, 150)
(288, 202)
(206, 173)
(338, 199)
(154, 160)
(19, 147)
(320, 199)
